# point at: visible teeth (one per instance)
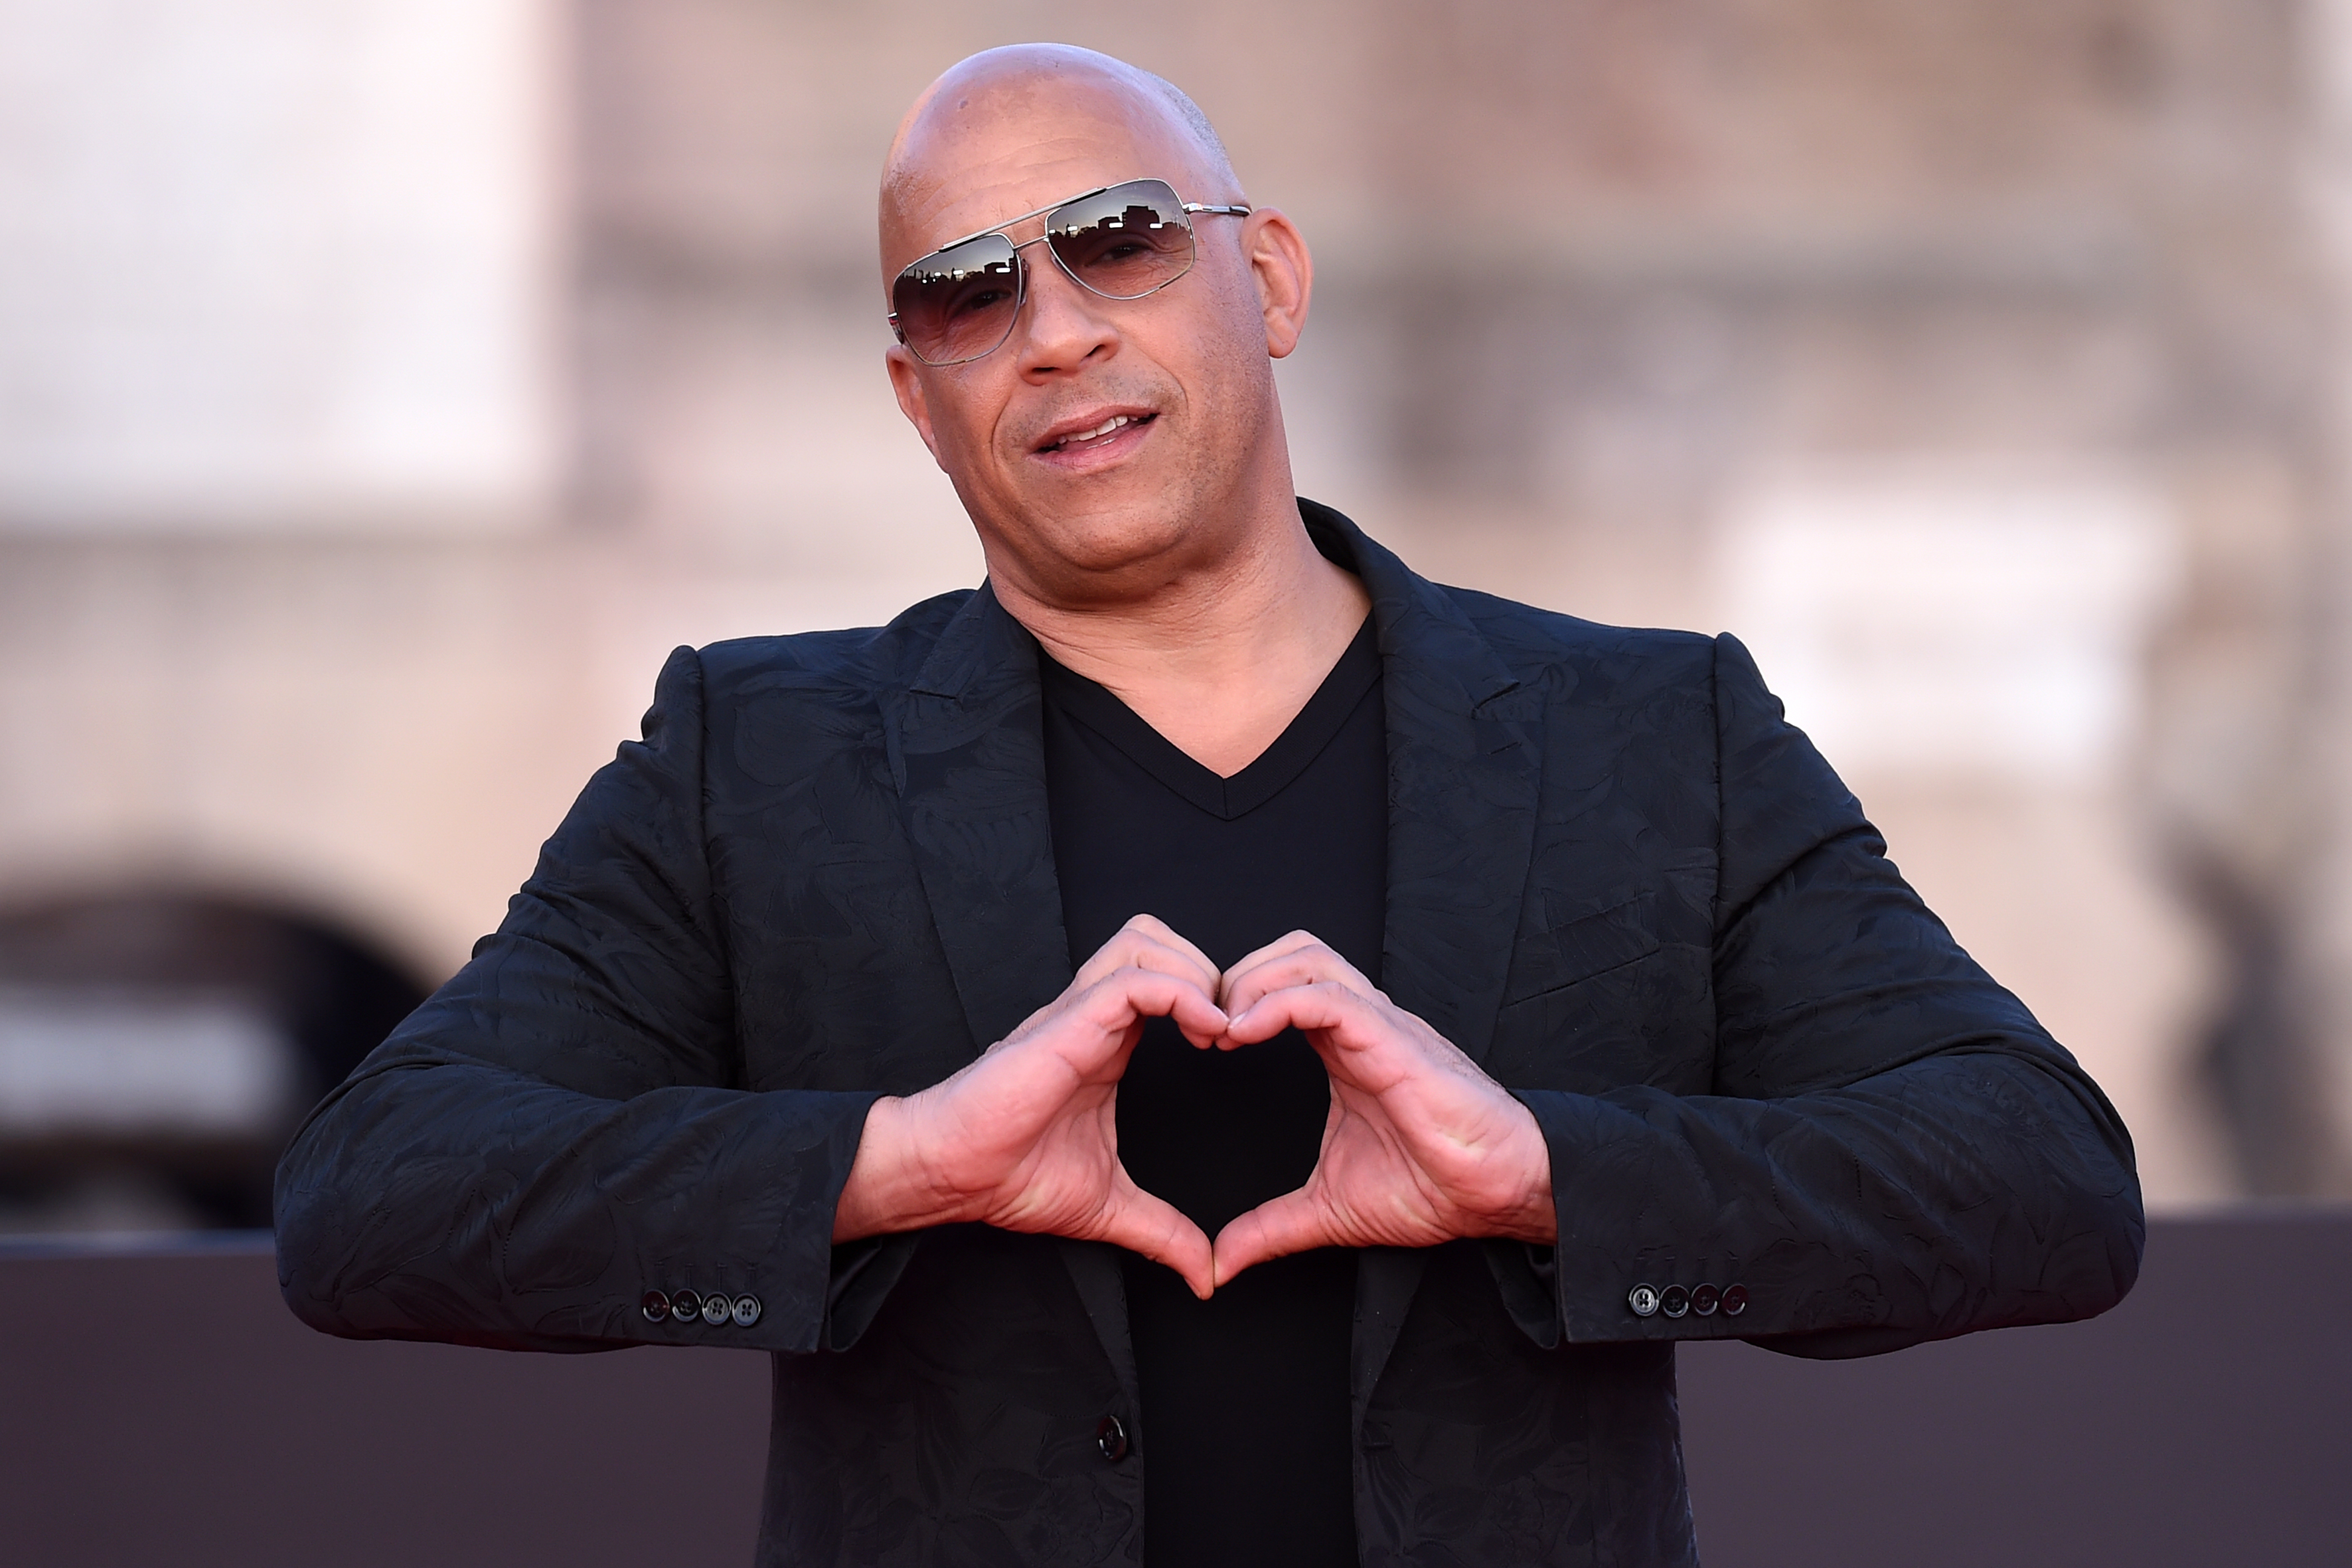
(1100, 431)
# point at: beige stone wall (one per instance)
(1601, 285)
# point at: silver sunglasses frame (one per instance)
(1020, 265)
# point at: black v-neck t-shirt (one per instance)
(1243, 1435)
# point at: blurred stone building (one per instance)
(384, 388)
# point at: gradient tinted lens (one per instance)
(959, 303)
(1125, 242)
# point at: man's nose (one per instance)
(1067, 326)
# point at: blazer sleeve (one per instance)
(1894, 1150)
(561, 1128)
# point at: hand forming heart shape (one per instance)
(1421, 1147)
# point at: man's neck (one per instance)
(1220, 660)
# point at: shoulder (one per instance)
(773, 711)
(1592, 660)
(857, 663)
(1677, 682)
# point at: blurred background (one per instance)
(386, 385)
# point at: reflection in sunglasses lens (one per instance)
(959, 303)
(1126, 242)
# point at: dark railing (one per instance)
(159, 1405)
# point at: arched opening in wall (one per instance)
(157, 1049)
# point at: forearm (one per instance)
(1968, 1190)
(462, 1202)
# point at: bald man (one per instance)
(1209, 1048)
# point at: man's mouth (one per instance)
(1077, 441)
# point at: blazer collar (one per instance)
(1419, 622)
(980, 647)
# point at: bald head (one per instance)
(1106, 441)
(1009, 117)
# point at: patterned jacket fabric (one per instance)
(1782, 1103)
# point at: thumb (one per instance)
(1158, 1229)
(1276, 1228)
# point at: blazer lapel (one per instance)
(967, 752)
(1465, 746)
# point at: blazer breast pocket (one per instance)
(1584, 937)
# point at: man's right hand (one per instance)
(1026, 1138)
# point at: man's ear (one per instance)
(1285, 275)
(907, 381)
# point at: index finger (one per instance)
(1117, 1000)
(1147, 941)
(1300, 958)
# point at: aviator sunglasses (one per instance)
(1121, 242)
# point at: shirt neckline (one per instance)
(1272, 770)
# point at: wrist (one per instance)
(1536, 1222)
(885, 1191)
(1534, 1217)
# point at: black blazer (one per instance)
(1617, 879)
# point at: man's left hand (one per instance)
(1421, 1147)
